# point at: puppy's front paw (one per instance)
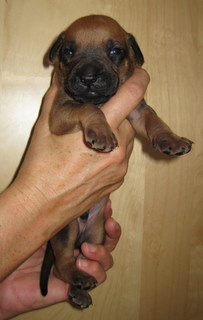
(80, 299)
(101, 138)
(171, 144)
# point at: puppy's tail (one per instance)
(46, 268)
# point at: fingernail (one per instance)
(91, 247)
(82, 263)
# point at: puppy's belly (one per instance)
(88, 228)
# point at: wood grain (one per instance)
(158, 271)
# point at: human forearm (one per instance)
(28, 220)
(21, 230)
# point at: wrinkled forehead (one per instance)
(91, 30)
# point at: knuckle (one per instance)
(111, 263)
(136, 90)
(115, 186)
(103, 278)
(96, 268)
(123, 170)
(146, 75)
(119, 172)
(118, 156)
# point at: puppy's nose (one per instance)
(88, 74)
(88, 79)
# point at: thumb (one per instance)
(49, 98)
(126, 99)
(57, 292)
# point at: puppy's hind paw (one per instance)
(79, 299)
(83, 281)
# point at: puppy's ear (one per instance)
(54, 51)
(139, 59)
(52, 54)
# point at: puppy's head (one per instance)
(93, 57)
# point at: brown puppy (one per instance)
(91, 59)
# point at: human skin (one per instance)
(60, 177)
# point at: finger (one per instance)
(108, 209)
(49, 98)
(125, 135)
(57, 291)
(93, 268)
(113, 233)
(125, 129)
(126, 98)
(129, 149)
(97, 253)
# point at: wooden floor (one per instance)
(158, 271)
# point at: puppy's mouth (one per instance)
(91, 84)
(90, 96)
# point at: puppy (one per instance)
(92, 59)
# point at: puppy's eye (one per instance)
(116, 54)
(116, 51)
(68, 52)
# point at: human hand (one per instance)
(66, 176)
(20, 291)
(60, 177)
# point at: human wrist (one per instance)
(23, 226)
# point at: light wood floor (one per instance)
(158, 271)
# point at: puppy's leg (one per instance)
(146, 123)
(73, 116)
(63, 244)
(91, 226)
